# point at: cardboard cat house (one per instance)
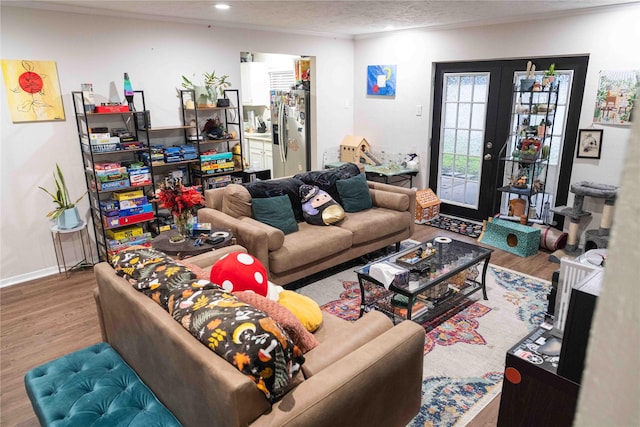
(427, 206)
(356, 149)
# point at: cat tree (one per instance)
(594, 239)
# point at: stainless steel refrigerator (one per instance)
(291, 132)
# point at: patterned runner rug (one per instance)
(456, 225)
(464, 348)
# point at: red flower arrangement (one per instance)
(178, 198)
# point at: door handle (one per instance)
(489, 144)
(488, 157)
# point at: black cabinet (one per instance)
(533, 394)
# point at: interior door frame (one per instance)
(504, 78)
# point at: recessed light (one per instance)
(388, 28)
(222, 6)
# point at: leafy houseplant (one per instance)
(212, 88)
(66, 213)
(549, 76)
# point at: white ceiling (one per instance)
(336, 18)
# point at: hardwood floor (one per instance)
(50, 317)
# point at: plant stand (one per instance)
(86, 261)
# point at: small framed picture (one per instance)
(589, 143)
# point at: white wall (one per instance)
(610, 38)
(98, 50)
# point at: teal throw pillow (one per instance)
(276, 212)
(354, 193)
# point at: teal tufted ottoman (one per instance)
(93, 387)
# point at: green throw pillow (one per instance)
(354, 193)
(276, 212)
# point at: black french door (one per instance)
(471, 122)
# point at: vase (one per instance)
(182, 223)
(68, 219)
(204, 97)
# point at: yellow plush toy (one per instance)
(304, 308)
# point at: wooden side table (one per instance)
(187, 248)
(56, 234)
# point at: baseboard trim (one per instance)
(15, 280)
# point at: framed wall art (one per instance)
(381, 80)
(33, 90)
(617, 93)
(589, 143)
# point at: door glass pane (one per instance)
(464, 116)
(477, 116)
(466, 88)
(452, 88)
(446, 165)
(463, 130)
(480, 89)
(475, 142)
(449, 140)
(462, 142)
(450, 115)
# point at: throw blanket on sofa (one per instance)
(243, 335)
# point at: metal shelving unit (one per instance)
(221, 149)
(532, 120)
(110, 152)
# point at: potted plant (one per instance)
(549, 76)
(66, 213)
(544, 128)
(210, 91)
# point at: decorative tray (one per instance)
(417, 260)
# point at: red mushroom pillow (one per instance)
(239, 271)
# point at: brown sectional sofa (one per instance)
(364, 373)
(312, 248)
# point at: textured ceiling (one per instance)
(338, 18)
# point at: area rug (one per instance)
(456, 225)
(464, 348)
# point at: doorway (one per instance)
(276, 111)
(471, 123)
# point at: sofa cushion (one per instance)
(278, 187)
(326, 179)
(339, 338)
(386, 199)
(285, 318)
(275, 211)
(243, 335)
(200, 273)
(142, 263)
(310, 244)
(154, 273)
(275, 236)
(384, 221)
(236, 201)
(354, 193)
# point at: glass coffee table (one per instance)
(441, 273)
